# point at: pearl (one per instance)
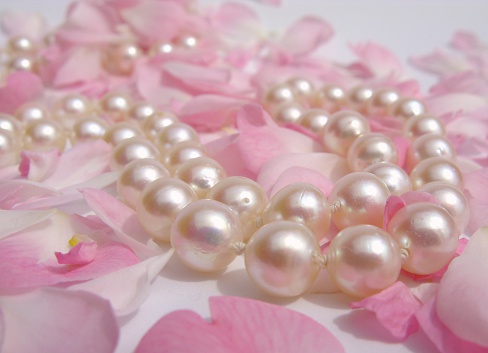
(141, 111)
(121, 131)
(116, 105)
(279, 94)
(436, 169)
(395, 178)
(358, 198)
(279, 258)
(330, 97)
(174, 134)
(72, 106)
(21, 44)
(137, 174)
(245, 197)
(181, 152)
(186, 41)
(202, 235)
(160, 202)
(9, 148)
(301, 203)
(287, 112)
(31, 111)
(22, 63)
(428, 146)
(342, 129)
(120, 59)
(314, 119)
(131, 149)
(302, 87)
(44, 135)
(358, 97)
(369, 149)
(201, 174)
(408, 107)
(89, 129)
(161, 48)
(153, 125)
(363, 260)
(423, 124)
(382, 100)
(429, 235)
(452, 199)
(10, 123)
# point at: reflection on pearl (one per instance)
(381, 101)
(278, 94)
(121, 131)
(116, 105)
(89, 129)
(44, 135)
(10, 123)
(22, 63)
(9, 148)
(423, 124)
(287, 112)
(161, 48)
(202, 235)
(21, 44)
(395, 178)
(436, 169)
(358, 97)
(302, 87)
(330, 97)
(314, 119)
(131, 149)
(279, 258)
(141, 111)
(369, 149)
(154, 124)
(428, 146)
(120, 59)
(428, 233)
(31, 111)
(186, 41)
(181, 152)
(363, 260)
(174, 134)
(408, 107)
(72, 106)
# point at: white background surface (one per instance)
(408, 28)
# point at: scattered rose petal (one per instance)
(38, 166)
(81, 254)
(14, 221)
(20, 87)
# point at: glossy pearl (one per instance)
(436, 169)
(369, 149)
(175, 134)
(423, 124)
(31, 111)
(288, 112)
(73, 106)
(301, 203)
(314, 119)
(21, 44)
(202, 235)
(452, 199)
(342, 129)
(201, 174)
(358, 198)
(44, 135)
(116, 105)
(363, 260)
(141, 111)
(279, 94)
(9, 148)
(428, 146)
(160, 202)
(121, 59)
(161, 48)
(429, 235)
(118, 132)
(330, 97)
(279, 258)
(22, 63)
(135, 176)
(186, 41)
(153, 125)
(303, 88)
(10, 123)
(395, 178)
(131, 149)
(181, 152)
(245, 197)
(358, 97)
(407, 108)
(89, 129)
(381, 101)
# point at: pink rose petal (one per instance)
(21, 87)
(14, 221)
(38, 166)
(81, 254)
(440, 63)
(31, 25)
(378, 60)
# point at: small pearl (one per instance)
(278, 94)
(436, 169)
(22, 63)
(121, 131)
(407, 108)
(9, 148)
(137, 174)
(154, 124)
(342, 129)
(287, 112)
(428, 146)
(369, 149)
(330, 97)
(10, 123)
(363, 260)
(161, 48)
(201, 174)
(358, 97)
(395, 178)
(141, 111)
(358, 198)
(120, 59)
(381, 101)
(116, 105)
(181, 152)
(279, 258)
(21, 44)
(314, 119)
(31, 111)
(44, 135)
(245, 197)
(186, 41)
(301, 203)
(423, 124)
(74, 106)
(174, 134)
(303, 88)
(89, 129)
(202, 235)
(160, 202)
(131, 149)
(428, 233)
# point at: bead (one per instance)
(407, 108)
(302, 87)
(369, 149)
(9, 148)
(287, 112)
(301, 203)
(278, 94)
(161, 48)
(154, 124)
(358, 198)
(21, 44)
(436, 169)
(381, 101)
(279, 258)
(202, 235)
(245, 197)
(141, 111)
(186, 41)
(173, 134)
(181, 152)
(121, 131)
(137, 174)
(330, 97)
(44, 135)
(116, 105)
(72, 106)
(358, 97)
(314, 119)
(31, 111)
(160, 202)
(428, 233)
(89, 129)
(21, 62)
(428, 146)
(395, 178)
(10, 123)
(120, 59)
(423, 124)
(363, 260)
(131, 149)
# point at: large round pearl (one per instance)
(202, 235)
(436, 169)
(358, 97)
(287, 112)
(300, 203)
(278, 94)
(173, 134)
(9, 148)
(408, 107)
(429, 235)
(31, 111)
(314, 119)
(363, 260)
(181, 152)
(135, 176)
(131, 149)
(302, 87)
(201, 174)
(120, 59)
(21, 44)
(330, 97)
(89, 129)
(245, 197)
(141, 111)
(452, 199)
(22, 62)
(160, 202)
(154, 124)
(116, 105)
(10, 123)
(342, 129)
(382, 100)
(121, 131)
(279, 258)
(72, 106)
(358, 198)
(395, 178)
(423, 124)
(369, 149)
(428, 146)
(44, 135)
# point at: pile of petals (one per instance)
(75, 261)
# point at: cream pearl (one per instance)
(278, 94)
(381, 101)
(9, 148)
(342, 129)
(452, 199)
(131, 149)
(31, 111)
(141, 111)
(161, 48)
(279, 258)
(429, 235)
(154, 124)
(118, 132)
(186, 41)
(358, 198)
(203, 233)
(436, 169)
(135, 176)
(363, 260)
(173, 134)
(395, 178)
(423, 124)
(72, 106)
(302, 87)
(407, 108)
(314, 119)
(160, 202)
(89, 129)
(287, 112)
(181, 152)
(120, 59)
(428, 146)
(330, 97)
(245, 197)
(301, 203)
(358, 97)
(116, 105)
(10, 123)
(44, 135)
(22, 62)
(21, 44)
(369, 149)
(201, 174)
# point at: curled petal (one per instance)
(81, 254)
(38, 166)
(378, 60)
(21, 87)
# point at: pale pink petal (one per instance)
(462, 82)
(13, 192)
(57, 321)
(31, 25)
(20, 87)
(303, 175)
(38, 166)
(14, 221)
(81, 254)
(239, 325)
(466, 41)
(377, 59)
(454, 102)
(440, 63)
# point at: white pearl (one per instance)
(395, 178)
(141, 111)
(278, 94)
(121, 131)
(31, 111)
(186, 41)
(381, 101)
(116, 105)
(89, 129)
(120, 59)
(9, 148)
(369, 149)
(44, 135)
(72, 106)
(173, 134)
(363, 260)
(287, 112)
(10, 123)
(314, 119)
(154, 124)
(202, 235)
(358, 97)
(181, 152)
(330, 97)
(428, 146)
(302, 87)
(407, 108)
(131, 149)
(423, 124)
(22, 62)
(279, 258)
(21, 44)
(436, 169)
(161, 48)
